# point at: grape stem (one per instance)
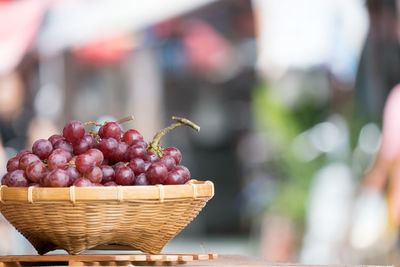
(71, 163)
(154, 145)
(129, 118)
(93, 123)
(125, 119)
(95, 135)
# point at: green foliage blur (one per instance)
(284, 124)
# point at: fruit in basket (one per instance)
(42, 148)
(27, 159)
(173, 152)
(95, 175)
(53, 218)
(84, 144)
(57, 178)
(73, 174)
(73, 131)
(54, 138)
(16, 178)
(138, 165)
(85, 163)
(59, 158)
(108, 157)
(141, 179)
(36, 171)
(64, 144)
(124, 176)
(157, 173)
(130, 136)
(96, 155)
(110, 130)
(82, 182)
(13, 164)
(108, 173)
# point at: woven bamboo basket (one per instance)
(80, 218)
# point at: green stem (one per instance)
(187, 122)
(155, 147)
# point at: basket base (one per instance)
(104, 259)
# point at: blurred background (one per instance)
(296, 99)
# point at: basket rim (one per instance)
(192, 190)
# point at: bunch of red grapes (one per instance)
(108, 157)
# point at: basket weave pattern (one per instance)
(118, 216)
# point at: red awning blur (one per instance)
(106, 50)
(20, 21)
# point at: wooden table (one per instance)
(185, 260)
(231, 260)
(236, 260)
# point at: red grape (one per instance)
(118, 165)
(12, 164)
(147, 165)
(95, 175)
(44, 182)
(58, 159)
(111, 183)
(57, 178)
(4, 179)
(124, 176)
(42, 148)
(17, 178)
(85, 162)
(97, 156)
(108, 173)
(157, 173)
(27, 159)
(136, 151)
(23, 152)
(54, 138)
(36, 171)
(183, 171)
(168, 161)
(174, 152)
(64, 144)
(174, 177)
(33, 185)
(100, 131)
(73, 174)
(140, 143)
(108, 146)
(130, 136)
(120, 151)
(73, 131)
(84, 144)
(97, 184)
(151, 157)
(141, 179)
(110, 130)
(66, 153)
(82, 182)
(137, 165)
(105, 162)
